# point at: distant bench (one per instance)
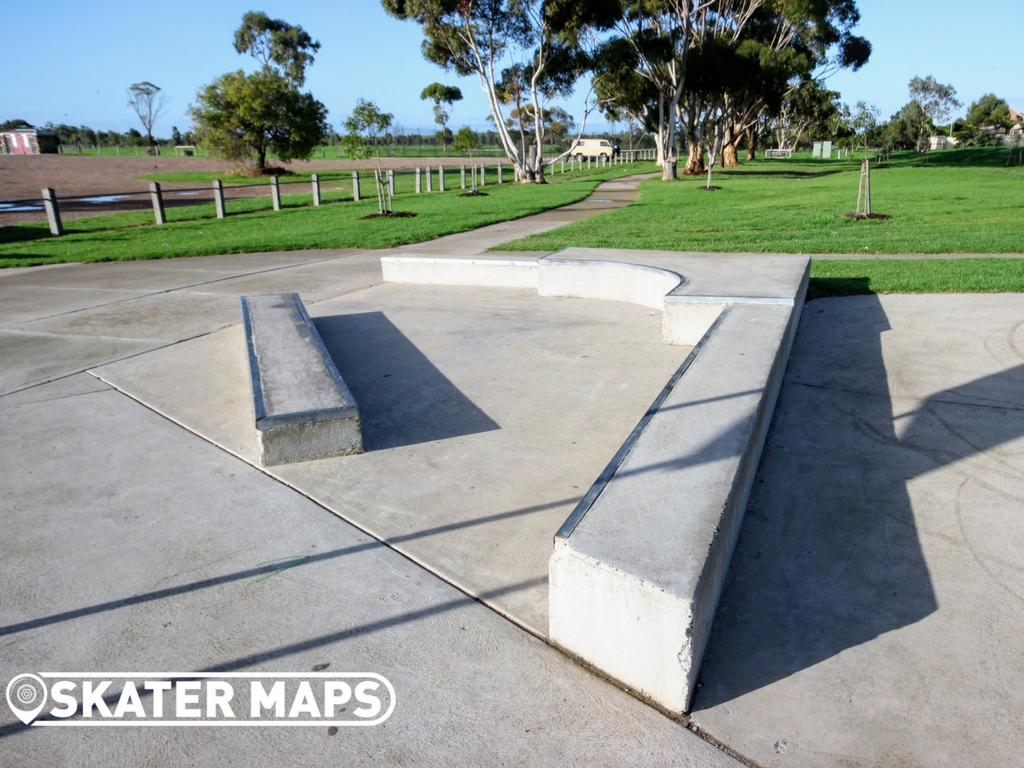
(303, 409)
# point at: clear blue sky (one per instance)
(71, 61)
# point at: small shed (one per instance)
(29, 141)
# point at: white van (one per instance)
(593, 148)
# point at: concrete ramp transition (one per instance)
(638, 567)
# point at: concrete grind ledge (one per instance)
(638, 568)
(302, 406)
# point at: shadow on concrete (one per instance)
(403, 398)
(346, 633)
(826, 287)
(258, 571)
(829, 556)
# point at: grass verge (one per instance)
(861, 276)
(782, 206)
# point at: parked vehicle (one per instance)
(593, 148)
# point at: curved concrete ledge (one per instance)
(638, 568)
(606, 280)
(430, 270)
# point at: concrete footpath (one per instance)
(873, 614)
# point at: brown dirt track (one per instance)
(22, 177)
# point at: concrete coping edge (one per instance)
(300, 417)
(592, 494)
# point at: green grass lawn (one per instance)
(855, 277)
(252, 227)
(796, 206)
(960, 201)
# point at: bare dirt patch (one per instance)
(22, 177)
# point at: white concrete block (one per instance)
(608, 280)
(444, 271)
(634, 585)
(303, 409)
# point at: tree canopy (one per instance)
(937, 101)
(245, 117)
(989, 110)
(443, 96)
(13, 125)
(277, 45)
(365, 127)
(715, 69)
(149, 104)
(549, 38)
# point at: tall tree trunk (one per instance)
(730, 157)
(752, 137)
(695, 160)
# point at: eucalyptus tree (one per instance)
(714, 67)
(864, 122)
(549, 40)
(938, 101)
(443, 96)
(149, 104)
(367, 126)
(277, 45)
(808, 104)
(245, 117)
(783, 46)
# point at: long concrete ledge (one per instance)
(638, 568)
(302, 406)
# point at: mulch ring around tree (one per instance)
(862, 216)
(709, 189)
(473, 193)
(392, 215)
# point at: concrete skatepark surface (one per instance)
(873, 615)
(129, 539)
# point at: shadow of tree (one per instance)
(829, 556)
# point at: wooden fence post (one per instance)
(315, 178)
(52, 212)
(462, 175)
(355, 186)
(440, 178)
(275, 193)
(430, 180)
(418, 184)
(158, 202)
(218, 198)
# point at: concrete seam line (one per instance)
(447, 260)
(312, 499)
(170, 290)
(682, 298)
(592, 494)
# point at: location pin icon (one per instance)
(26, 696)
